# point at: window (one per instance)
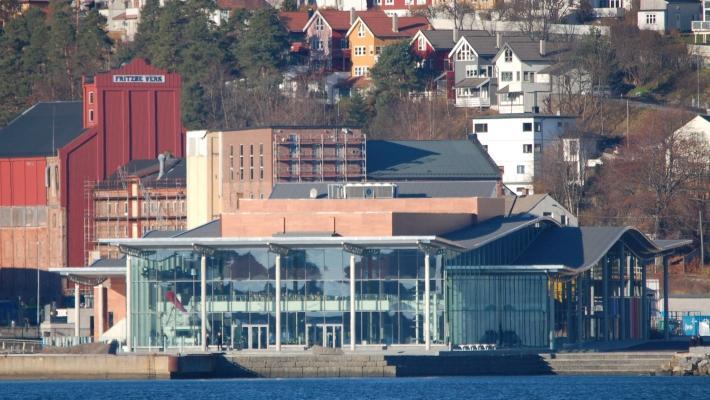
(359, 50)
(563, 220)
(361, 71)
(521, 169)
(471, 71)
(389, 2)
(319, 24)
(241, 162)
(538, 148)
(251, 162)
(651, 19)
(378, 50)
(517, 76)
(538, 126)
(527, 148)
(361, 30)
(421, 44)
(91, 115)
(506, 76)
(91, 97)
(231, 162)
(527, 127)
(480, 128)
(508, 55)
(529, 76)
(465, 53)
(261, 161)
(316, 43)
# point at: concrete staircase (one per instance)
(310, 366)
(608, 363)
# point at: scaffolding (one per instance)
(126, 206)
(319, 156)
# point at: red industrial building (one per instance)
(51, 150)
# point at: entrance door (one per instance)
(255, 336)
(326, 335)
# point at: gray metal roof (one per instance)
(162, 234)
(109, 262)
(471, 82)
(477, 235)
(528, 50)
(208, 230)
(41, 129)
(522, 115)
(583, 247)
(444, 39)
(522, 204)
(406, 189)
(400, 160)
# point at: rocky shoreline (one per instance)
(694, 363)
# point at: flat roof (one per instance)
(90, 271)
(522, 115)
(286, 241)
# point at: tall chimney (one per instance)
(499, 40)
(543, 47)
(352, 16)
(161, 161)
(395, 23)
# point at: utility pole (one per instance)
(702, 244)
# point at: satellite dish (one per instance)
(313, 193)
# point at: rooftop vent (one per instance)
(362, 191)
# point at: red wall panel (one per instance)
(142, 134)
(170, 136)
(22, 181)
(114, 124)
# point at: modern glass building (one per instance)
(512, 282)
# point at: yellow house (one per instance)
(370, 33)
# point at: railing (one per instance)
(473, 102)
(18, 346)
(609, 12)
(701, 26)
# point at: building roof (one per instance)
(175, 170)
(162, 234)
(407, 189)
(515, 205)
(471, 82)
(211, 229)
(400, 160)
(340, 20)
(528, 50)
(294, 21)
(477, 235)
(381, 26)
(521, 115)
(252, 5)
(444, 39)
(41, 129)
(583, 247)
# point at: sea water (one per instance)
(488, 388)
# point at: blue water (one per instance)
(489, 388)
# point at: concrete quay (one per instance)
(308, 365)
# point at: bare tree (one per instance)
(536, 17)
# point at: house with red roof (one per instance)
(370, 33)
(326, 38)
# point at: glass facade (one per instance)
(315, 290)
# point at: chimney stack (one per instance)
(161, 161)
(352, 16)
(499, 40)
(543, 47)
(395, 23)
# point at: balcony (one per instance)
(472, 102)
(609, 12)
(700, 27)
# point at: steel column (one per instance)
(666, 289)
(203, 302)
(427, 336)
(277, 302)
(352, 302)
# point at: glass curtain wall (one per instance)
(315, 298)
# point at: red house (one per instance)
(433, 47)
(53, 150)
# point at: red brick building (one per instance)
(51, 150)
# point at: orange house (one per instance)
(370, 33)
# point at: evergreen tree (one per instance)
(358, 112)
(8, 9)
(94, 44)
(396, 72)
(61, 46)
(262, 45)
(147, 31)
(289, 5)
(164, 50)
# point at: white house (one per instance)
(668, 15)
(700, 126)
(610, 8)
(701, 27)
(516, 142)
(523, 83)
